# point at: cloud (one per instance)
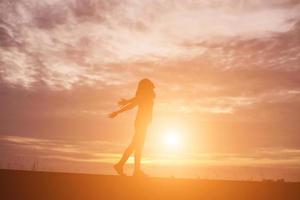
(74, 150)
(18, 68)
(64, 43)
(105, 152)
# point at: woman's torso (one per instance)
(145, 109)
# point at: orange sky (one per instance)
(226, 75)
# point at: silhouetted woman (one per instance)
(144, 98)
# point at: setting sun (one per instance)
(172, 139)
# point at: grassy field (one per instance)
(32, 185)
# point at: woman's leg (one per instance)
(138, 157)
(119, 166)
(136, 146)
(141, 134)
(127, 153)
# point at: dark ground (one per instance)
(15, 185)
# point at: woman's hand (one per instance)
(122, 102)
(113, 114)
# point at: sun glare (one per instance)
(172, 139)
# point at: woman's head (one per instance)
(145, 88)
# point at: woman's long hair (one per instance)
(145, 89)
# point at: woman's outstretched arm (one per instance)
(129, 106)
(124, 102)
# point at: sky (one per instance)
(227, 77)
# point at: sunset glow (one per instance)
(226, 76)
(172, 139)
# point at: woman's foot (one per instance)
(119, 169)
(139, 173)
